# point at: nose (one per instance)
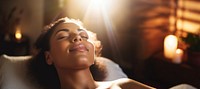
(76, 38)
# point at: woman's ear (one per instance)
(48, 58)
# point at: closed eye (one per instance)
(84, 37)
(63, 37)
(62, 34)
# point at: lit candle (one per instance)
(18, 34)
(170, 46)
(178, 56)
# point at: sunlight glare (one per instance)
(97, 3)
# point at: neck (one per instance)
(76, 79)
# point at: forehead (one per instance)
(68, 26)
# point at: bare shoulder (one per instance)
(123, 83)
(126, 83)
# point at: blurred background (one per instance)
(132, 32)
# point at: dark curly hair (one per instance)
(45, 75)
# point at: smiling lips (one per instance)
(78, 48)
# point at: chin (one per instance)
(84, 63)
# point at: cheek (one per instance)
(92, 51)
(58, 50)
(59, 46)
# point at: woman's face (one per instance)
(70, 48)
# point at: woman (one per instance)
(64, 57)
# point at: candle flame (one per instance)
(178, 51)
(178, 56)
(18, 35)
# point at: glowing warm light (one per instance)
(18, 35)
(171, 21)
(184, 25)
(178, 56)
(188, 26)
(190, 4)
(170, 46)
(96, 7)
(97, 3)
(188, 14)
